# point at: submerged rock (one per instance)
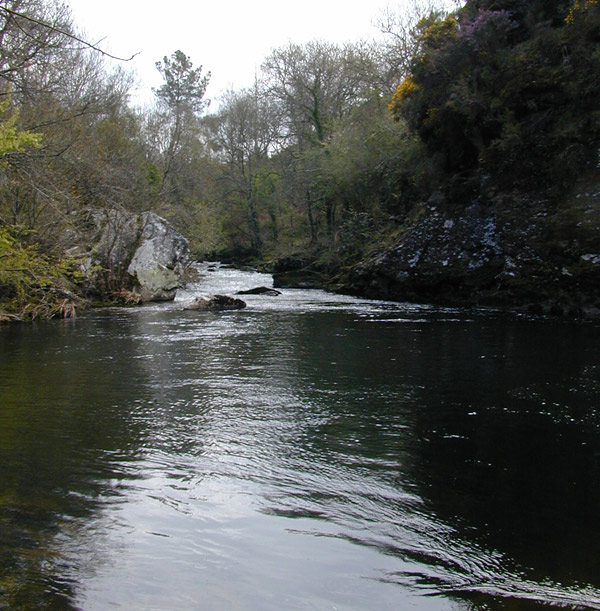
(216, 303)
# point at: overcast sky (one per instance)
(229, 38)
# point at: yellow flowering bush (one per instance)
(579, 7)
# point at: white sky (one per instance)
(229, 38)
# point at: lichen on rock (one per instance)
(159, 260)
(122, 251)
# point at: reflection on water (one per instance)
(312, 451)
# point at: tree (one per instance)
(315, 85)
(60, 88)
(402, 41)
(181, 99)
(31, 32)
(246, 132)
(31, 284)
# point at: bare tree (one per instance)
(59, 86)
(246, 132)
(401, 43)
(316, 85)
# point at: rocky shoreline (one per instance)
(507, 251)
(110, 256)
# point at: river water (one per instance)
(312, 451)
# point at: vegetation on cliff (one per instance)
(509, 91)
(505, 98)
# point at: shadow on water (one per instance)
(65, 441)
(510, 454)
(493, 427)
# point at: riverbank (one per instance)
(515, 251)
(103, 256)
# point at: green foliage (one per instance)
(152, 175)
(153, 179)
(32, 284)
(356, 232)
(184, 85)
(13, 140)
(204, 227)
(511, 91)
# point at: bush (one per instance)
(33, 285)
(511, 92)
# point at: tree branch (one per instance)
(52, 28)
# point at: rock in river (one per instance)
(126, 252)
(260, 290)
(216, 303)
(159, 259)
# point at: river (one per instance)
(312, 451)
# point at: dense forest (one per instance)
(456, 159)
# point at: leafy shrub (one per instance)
(32, 284)
(511, 91)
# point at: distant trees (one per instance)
(246, 133)
(310, 154)
(309, 158)
(178, 169)
(316, 86)
(279, 166)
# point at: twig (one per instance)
(53, 28)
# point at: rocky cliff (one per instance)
(504, 250)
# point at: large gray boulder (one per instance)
(160, 259)
(140, 256)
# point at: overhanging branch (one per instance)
(89, 45)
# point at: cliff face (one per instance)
(509, 250)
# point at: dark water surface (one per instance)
(310, 452)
